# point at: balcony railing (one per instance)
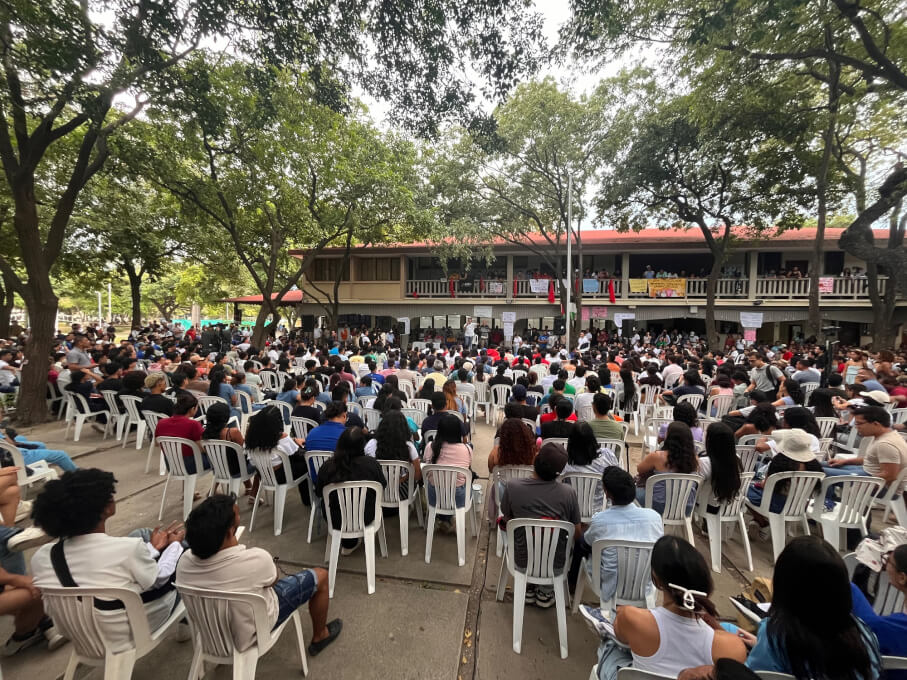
(830, 288)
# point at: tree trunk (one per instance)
(7, 302)
(711, 327)
(259, 333)
(32, 406)
(135, 292)
(816, 260)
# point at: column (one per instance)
(403, 276)
(752, 267)
(508, 285)
(625, 275)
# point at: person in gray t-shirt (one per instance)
(805, 372)
(77, 358)
(763, 376)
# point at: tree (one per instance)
(512, 185)
(687, 171)
(64, 65)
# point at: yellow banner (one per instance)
(667, 287)
(639, 285)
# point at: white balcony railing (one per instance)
(831, 288)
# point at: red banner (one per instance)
(611, 291)
(453, 288)
(551, 291)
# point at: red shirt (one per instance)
(551, 415)
(180, 426)
(494, 354)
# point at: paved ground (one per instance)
(433, 620)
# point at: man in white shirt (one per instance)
(517, 343)
(217, 561)
(469, 333)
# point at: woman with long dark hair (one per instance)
(682, 633)
(629, 390)
(427, 389)
(720, 466)
(350, 464)
(585, 455)
(218, 387)
(217, 426)
(448, 448)
(265, 433)
(820, 402)
(811, 631)
(393, 441)
(677, 454)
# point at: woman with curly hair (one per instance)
(677, 454)
(516, 445)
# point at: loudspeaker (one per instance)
(560, 325)
(626, 328)
(308, 323)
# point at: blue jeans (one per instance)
(12, 561)
(754, 495)
(844, 470)
(460, 499)
(293, 592)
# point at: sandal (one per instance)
(334, 628)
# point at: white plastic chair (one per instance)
(444, 479)
(364, 402)
(116, 416)
(482, 397)
(133, 417)
(634, 575)
(423, 405)
(500, 395)
(152, 418)
(172, 450)
(41, 471)
(749, 457)
(352, 500)
(500, 476)
(851, 512)
(827, 426)
(729, 512)
(354, 407)
(417, 415)
(679, 489)
(245, 409)
(555, 440)
(79, 416)
(542, 539)
(204, 403)
(218, 451)
(394, 472)
(301, 426)
(721, 404)
(75, 616)
(694, 400)
(55, 396)
(586, 485)
(893, 500)
(210, 618)
(889, 600)
(286, 411)
(807, 390)
(800, 491)
(619, 448)
(372, 418)
(262, 462)
(313, 462)
(407, 388)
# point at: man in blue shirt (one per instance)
(623, 521)
(373, 373)
(325, 436)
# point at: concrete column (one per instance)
(403, 276)
(508, 286)
(753, 264)
(625, 275)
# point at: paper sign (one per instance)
(595, 313)
(495, 287)
(667, 288)
(538, 286)
(751, 319)
(826, 284)
(508, 330)
(749, 334)
(508, 317)
(590, 285)
(439, 321)
(482, 311)
(424, 322)
(639, 285)
(623, 316)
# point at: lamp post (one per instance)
(569, 256)
(109, 303)
(100, 318)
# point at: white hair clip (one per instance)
(689, 600)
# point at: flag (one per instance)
(515, 288)
(551, 290)
(415, 294)
(611, 290)
(576, 286)
(481, 284)
(453, 288)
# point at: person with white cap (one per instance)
(885, 456)
(794, 454)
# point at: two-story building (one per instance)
(656, 278)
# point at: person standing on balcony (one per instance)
(469, 333)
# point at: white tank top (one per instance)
(684, 643)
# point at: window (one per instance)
(325, 269)
(379, 269)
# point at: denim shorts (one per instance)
(293, 592)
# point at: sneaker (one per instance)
(544, 599)
(54, 637)
(28, 538)
(596, 620)
(530, 596)
(350, 551)
(14, 646)
(24, 510)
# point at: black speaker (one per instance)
(560, 325)
(627, 328)
(308, 323)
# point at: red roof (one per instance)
(689, 236)
(290, 296)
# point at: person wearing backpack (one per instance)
(764, 376)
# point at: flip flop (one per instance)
(334, 628)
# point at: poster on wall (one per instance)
(482, 311)
(424, 322)
(590, 285)
(538, 286)
(667, 288)
(508, 330)
(595, 313)
(826, 285)
(495, 287)
(751, 319)
(439, 321)
(749, 334)
(639, 285)
(508, 317)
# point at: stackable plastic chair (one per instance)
(827, 426)
(204, 403)
(172, 450)
(889, 600)
(301, 426)
(417, 415)
(211, 622)
(423, 405)
(352, 500)
(586, 484)
(117, 417)
(372, 418)
(133, 417)
(800, 492)
(722, 405)
(41, 471)
(500, 395)
(313, 462)
(857, 495)
(678, 510)
(218, 452)
(619, 448)
(394, 472)
(286, 412)
(729, 512)
(556, 440)
(262, 462)
(542, 538)
(500, 476)
(444, 479)
(892, 501)
(749, 457)
(78, 417)
(694, 400)
(152, 418)
(76, 617)
(634, 575)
